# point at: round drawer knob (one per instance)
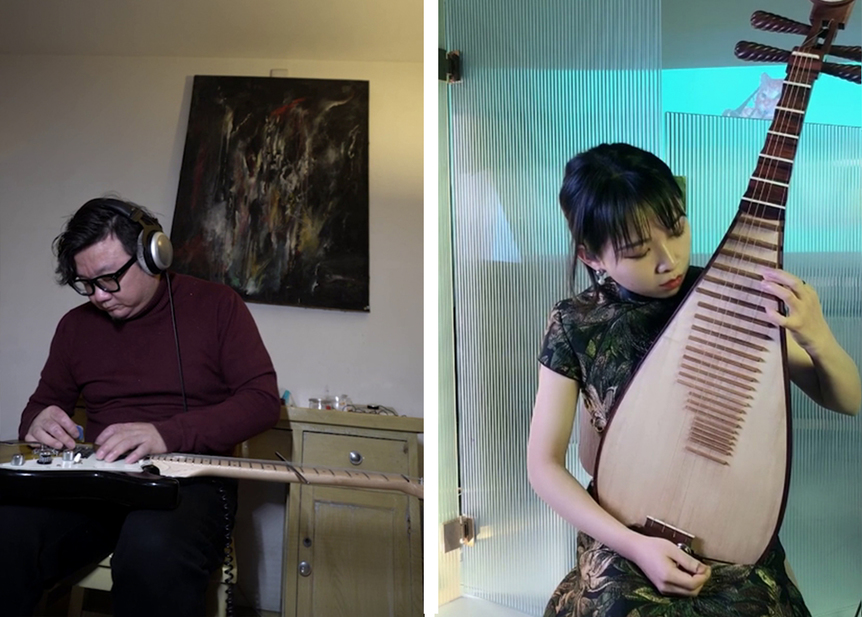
(355, 458)
(304, 568)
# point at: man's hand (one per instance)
(54, 428)
(137, 438)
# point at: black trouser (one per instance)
(162, 559)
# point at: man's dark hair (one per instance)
(93, 222)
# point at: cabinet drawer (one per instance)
(343, 451)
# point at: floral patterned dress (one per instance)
(598, 339)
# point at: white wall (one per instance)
(73, 128)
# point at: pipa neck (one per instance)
(766, 196)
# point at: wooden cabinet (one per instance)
(348, 551)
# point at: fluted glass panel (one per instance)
(542, 81)
(822, 530)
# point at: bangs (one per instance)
(624, 216)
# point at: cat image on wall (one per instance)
(760, 103)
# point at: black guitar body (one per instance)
(130, 489)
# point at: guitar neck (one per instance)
(189, 465)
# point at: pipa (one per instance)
(698, 447)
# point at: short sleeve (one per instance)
(558, 352)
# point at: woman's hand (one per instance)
(669, 568)
(817, 363)
(804, 319)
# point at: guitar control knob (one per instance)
(17, 460)
(355, 458)
(68, 456)
(304, 568)
(45, 457)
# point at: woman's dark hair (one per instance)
(93, 222)
(612, 191)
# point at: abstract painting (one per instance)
(273, 191)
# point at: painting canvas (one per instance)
(273, 192)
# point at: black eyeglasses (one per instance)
(106, 282)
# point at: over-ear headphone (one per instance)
(155, 251)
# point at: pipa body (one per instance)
(700, 439)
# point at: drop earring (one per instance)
(601, 277)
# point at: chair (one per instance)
(99, 577)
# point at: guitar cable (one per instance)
(177, 341)
(227, 564)
(228, 555)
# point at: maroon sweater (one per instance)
(127, 370)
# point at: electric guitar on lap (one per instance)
(31, 475)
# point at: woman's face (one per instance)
(652, 266)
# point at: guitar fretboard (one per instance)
(187, 465)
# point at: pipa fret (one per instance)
(737, 271)
(726, 405)
(718, 425)
(732, 326)
(727, 338)
(729, 299)
(720, 347)
(703, 382)
(687, 369)
(728, 314)
(748, 241)
(727, 253)
(712, 355)
(731, 422)
(719, 367)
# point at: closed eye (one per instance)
(636, 255)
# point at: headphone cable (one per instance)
(176, 341)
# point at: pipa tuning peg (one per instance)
(770, 22)
(850, 72)
(755, 52)
(761, 20)
(846, 51)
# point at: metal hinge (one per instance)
(458, 532)
(449, 66)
